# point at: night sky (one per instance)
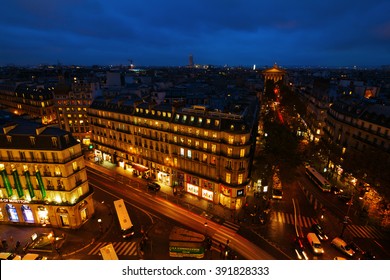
(217, 32)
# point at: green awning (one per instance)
(40, 184)
(29, 185)
(18, 185)
(6, 182)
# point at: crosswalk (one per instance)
(288, 218)
(306, 222)
(121, 248)
(365, 232)
(231, 225)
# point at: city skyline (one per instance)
(235, 33)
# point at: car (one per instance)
(342, 246)
(154, 186)
(299, 249)
(368, 255)
(339, 258)
(319, 231)
(336, 190)
(355, 247)
(345, 198)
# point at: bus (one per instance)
(125, 223)
(185, 243)
(108, 252)
(317, 179)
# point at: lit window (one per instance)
(240, 176)
(192, 118)
(242, 153)
(184, 118)
(230, 151)
(231, 139)
(216, 122)
(215, 135)
(182, 152)
(204, 157)
(205, 145)
(200, 120)
(213, 148)
(228, 178)
(189, 154)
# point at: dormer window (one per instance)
(9, 138)
(32, 140)
(54, 141)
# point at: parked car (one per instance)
(154, 186)
(342, 246)
(319, 231)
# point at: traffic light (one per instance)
(90, 146)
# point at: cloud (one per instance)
(219, 32)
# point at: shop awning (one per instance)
(40, 184)
(6, 182)
(18, 185)
(139, 167)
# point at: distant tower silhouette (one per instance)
(191, 61)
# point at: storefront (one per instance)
(164, 178)
(231, 198)
(193, 189)
(208, 190)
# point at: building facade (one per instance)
(195, 149)
(71, 103)
(34, 100)
(44, 179)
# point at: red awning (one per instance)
(139, 167)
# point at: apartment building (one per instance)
(204, 151)
(361, 130)
(43, 177)
(32, 99)
(71, 100)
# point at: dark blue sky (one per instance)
(218, 32)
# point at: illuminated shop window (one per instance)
(12, 213)
(27, 214)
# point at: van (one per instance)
(315, 243)
(32, 256)
(342, 246)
